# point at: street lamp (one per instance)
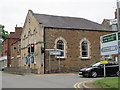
(118, 28)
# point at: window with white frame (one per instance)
(61, 45)
(85, 49)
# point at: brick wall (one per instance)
(15, 54)
(6, 48)
(73, 62)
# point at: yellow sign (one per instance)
(104, 62)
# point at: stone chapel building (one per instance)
(77, 39)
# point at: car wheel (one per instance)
(117, 73)
(94, 74)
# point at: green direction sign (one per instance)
(118, 35)
(109, 38)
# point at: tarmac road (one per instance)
(68, 80)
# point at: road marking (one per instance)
(77, 85)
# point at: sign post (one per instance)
(118, 24)
(59, 63)
(104, 62)
(49, 64)
(110, 43)
(109, 46)
(104, 71)
(55, 52)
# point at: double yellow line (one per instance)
(77, 85)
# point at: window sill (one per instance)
(60, 57)
(85, 58)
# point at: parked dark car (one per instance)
(97, 69)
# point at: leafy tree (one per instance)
(3, 34)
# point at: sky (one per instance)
(13, 12)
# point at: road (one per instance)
(42, 81)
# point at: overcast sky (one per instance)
(14, 12)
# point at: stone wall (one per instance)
(73, 61)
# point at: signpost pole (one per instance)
(55, 52)
(104, 71)
(118, 24)
(49, 65)
(59, 63)
(104, 61)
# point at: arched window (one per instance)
(84, 49)
(34, 37)
(60, 45)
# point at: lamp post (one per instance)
(118, 28)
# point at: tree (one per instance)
(3, 34)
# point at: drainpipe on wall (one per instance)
(44, 47)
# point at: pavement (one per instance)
(52, 74)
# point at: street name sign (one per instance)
(54, 52)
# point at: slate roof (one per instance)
(69, 22)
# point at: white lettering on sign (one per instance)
(109, 48)
(54, 52)
(109, 44)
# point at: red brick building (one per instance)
(15, 53)
(6, 44)
(111, 23)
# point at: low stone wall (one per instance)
(18, 70)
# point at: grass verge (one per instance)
(108, 82)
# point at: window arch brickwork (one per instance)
(60, 43)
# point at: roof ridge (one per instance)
(58, 16)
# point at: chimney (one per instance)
(18, 29)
